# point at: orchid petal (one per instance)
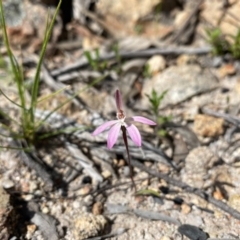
(113, 135)
(143, 120)
(134, 135)
(118, 98)
(103, 127)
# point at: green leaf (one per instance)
(148, 192)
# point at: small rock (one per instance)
(126, 171)
(139, 199)
(185, 59)
(86, 180)
(208, 126)
(234, 201)
(32, 186)
(76, 204)
(7, 184)
(182, 82)
(88, 226)
(85, 190)
(156, 64)
(192, 232)
(145, 183)
(227, 69)
(28, 197)
(88, 200)
(45, 210)
(217, 61)
(124, 16)
(97, 208)
(185, 208)
(217, 194)
(166, 238)
(106, 174)
(178, 201)
(30, 230)
(190, 113)
(197, 164)
(121, 163)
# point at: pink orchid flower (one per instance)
(122, 122)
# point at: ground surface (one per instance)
(188, 180)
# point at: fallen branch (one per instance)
(223, 206)
(83, 61)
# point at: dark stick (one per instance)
(165, 50)
(128, 155)
(186, 23)
(223, 206)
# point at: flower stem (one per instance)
(128, 155)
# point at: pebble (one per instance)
(234, 201)
(97, 208)
(208, 126)
(30, 230)
(185, 208)
(88, 226)
(76, 204)
(126, 171)
(217, 194)
(166, 238)
(182, 82)
(33, 186)
(28, 197)
(185, 59)
(85, 190)
(217, 61)
(156, 64)
(227, 69)
(121, 163)
(88, 200)
(38, 192)
(192, 232)
(7, 184)
(197, 163)
(57, 210)
(45, 210)
(106, 174)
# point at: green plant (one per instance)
(217, 40)
(138, 29)
(95, 63)
(146, 71)
(155, 100)
(235, 47)
(28, 127)
(222, 44)
(28, 120)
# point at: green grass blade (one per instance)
(15, 148)
(10, 100)
(61, 131)
(14, 64)
(37, 75)
(91, 61)
(52, 94)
